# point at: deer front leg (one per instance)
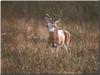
(57, 50)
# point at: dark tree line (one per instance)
(66, 10)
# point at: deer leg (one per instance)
(52, 50)
(66, 48)
(49, 40)
(57, 50)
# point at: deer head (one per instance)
(52, 20)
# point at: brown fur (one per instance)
(67, 38)
(54, 38)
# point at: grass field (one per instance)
(25, 49)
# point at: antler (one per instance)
(55, 18)
(48, 18)
(58, 16)
(46, 13)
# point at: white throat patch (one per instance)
(51, 29)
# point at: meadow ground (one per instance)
(24, 48)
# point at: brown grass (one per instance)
(25, 48)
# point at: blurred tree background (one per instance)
(71, 11)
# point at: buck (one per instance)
(57, 37)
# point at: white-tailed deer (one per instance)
(57, 37)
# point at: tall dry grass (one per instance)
(25, 48)
(24, 37)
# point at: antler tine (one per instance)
(46, 13)
(58, 15)
(48, 17)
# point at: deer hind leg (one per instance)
(66, 48)
(68, 42)
(67, 45)
(67, 39)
